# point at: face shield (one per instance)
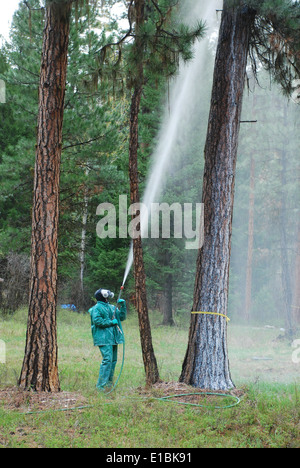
(107, 294)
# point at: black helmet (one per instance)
(103, 294)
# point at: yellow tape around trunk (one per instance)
(212, 313)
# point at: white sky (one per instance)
(7, 9)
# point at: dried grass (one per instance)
(15, 399)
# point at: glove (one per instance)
(121, 301)
(115, 322)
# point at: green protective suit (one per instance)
(107, 335)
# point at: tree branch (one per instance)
(84, 142)
(102, 51)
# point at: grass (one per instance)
(267, 417)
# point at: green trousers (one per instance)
(107, 369)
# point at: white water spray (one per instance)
(180, 107)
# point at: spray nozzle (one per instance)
(121, 291)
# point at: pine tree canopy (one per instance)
(161, 39)
(276, 40)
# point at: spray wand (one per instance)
(120, 294)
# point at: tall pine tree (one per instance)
(206, 363)
(40, 365)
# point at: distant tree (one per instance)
(296, 290)
(256, 264)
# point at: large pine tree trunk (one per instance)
(206, 363)
(40, 369)
(150, 364)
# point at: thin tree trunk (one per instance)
(249, 270)
(285, 268)
(83, 239)
(206, 363)
(82, 244)
(296, 292)
(250, 242)
(150, 364)
(168, 292)
(40, 368)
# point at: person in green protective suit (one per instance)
(107, 333)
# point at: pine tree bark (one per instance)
(206, 363)
(150, 363)
(40, 369)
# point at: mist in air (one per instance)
(264, 297)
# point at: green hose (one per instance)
(119, 376)
(169, 399)
(224, 395)
(166, 399)
(163, 399)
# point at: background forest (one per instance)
(265, 264)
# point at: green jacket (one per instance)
(103, 331)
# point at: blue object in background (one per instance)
(69, 306)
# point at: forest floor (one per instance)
(266, 378)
